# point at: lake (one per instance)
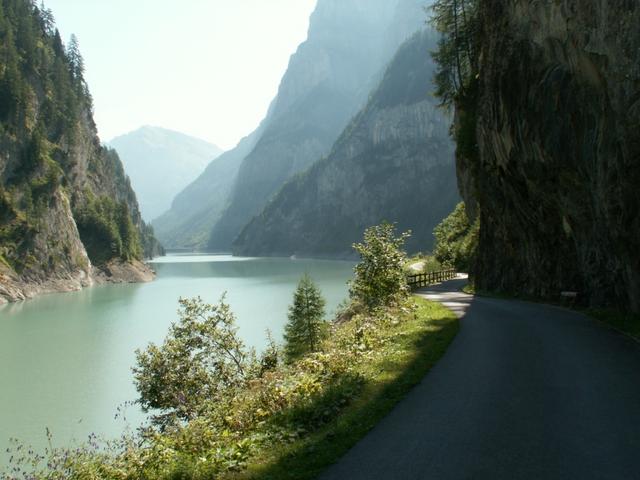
(65, 359)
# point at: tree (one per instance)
(76, 65)
(202, 359)
(456, 240)
(457, 53)
(48, 20)
(379, 277)
(270, 358)
(306, 327)
(75, 57)
(131, 248)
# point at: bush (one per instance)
(379, 277)
(456, 240)
(202, 359)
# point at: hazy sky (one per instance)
(208, 68)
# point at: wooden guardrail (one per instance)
(424, 279)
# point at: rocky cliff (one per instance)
(393, 162)
(68, 215)
(556, 179)
(328, 80)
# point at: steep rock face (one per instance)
(57, 183)
(393, 162)
(65, 266)
(327, 81)
(558, 174)
(160, 164)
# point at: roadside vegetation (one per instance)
(422, 263)
(625, 322)
(219, 410)
(456, 241)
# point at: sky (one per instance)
(207, 68)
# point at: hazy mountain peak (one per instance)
(160, 163)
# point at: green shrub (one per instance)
(379, 277)
(429, 264)
(202, 359)
(456, 240)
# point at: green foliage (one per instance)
(288, 423)
(270, 358)
(457, 53)
(202, 360)
(107, 231)
(379, 277)
(306, 327)
(34, 61)
(457, 240)
(421, 263)
(150, 246)
(626, 322)
(43, 96)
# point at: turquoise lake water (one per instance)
(65, 359)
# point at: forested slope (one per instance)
(68, 215)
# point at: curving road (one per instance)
(525, 391)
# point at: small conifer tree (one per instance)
(306, 327)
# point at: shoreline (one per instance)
(14, 289)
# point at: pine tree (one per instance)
(306, 327)
(48, 20)
(76, 61)
(457, 53)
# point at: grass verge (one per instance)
(469, 289)
(410, 348)
(628, 323)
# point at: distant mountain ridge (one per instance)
(394, 162)
(196, 209)
(161, 163)
(327, 82)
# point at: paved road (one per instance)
(525, 391)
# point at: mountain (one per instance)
(68, 214)
(160, 164)
(393, 162)
(557, 174)
(196, 209)
(327, 81)
(320, 92)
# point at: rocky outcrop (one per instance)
(14, 288)
(54, 174)
(557, 177)
(393, 162)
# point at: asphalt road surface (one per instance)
(525, 391)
